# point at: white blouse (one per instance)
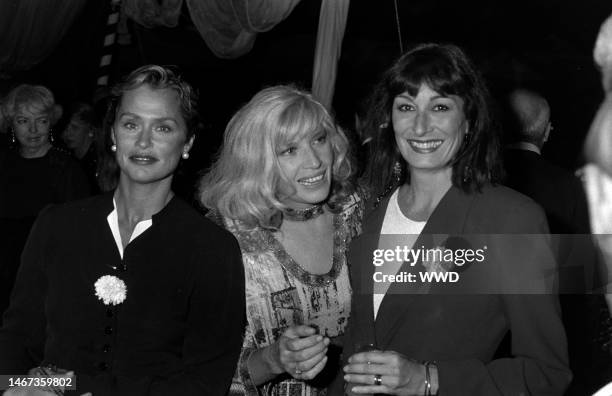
(113, 223)
(395, 223)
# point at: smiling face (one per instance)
(150, 134)
(31, 126)
(306, 166)
(429, 128)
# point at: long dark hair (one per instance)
(447, 70)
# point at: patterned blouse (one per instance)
(280, 294)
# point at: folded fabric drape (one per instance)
(31, 29)
(230, 27)
(332, 23)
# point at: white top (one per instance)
(395, 223)
(113, 223)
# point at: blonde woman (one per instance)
(281, 186)
(33, 174)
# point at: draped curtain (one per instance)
(229, 27)
(31, 29)
(332, 23)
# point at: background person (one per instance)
(83, 136)
(597, 177)
(33, 174)
(562, 197)
(558, 191)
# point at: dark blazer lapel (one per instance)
(362, 269)
(449, 217)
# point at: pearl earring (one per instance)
(185, 155)
(114, 148)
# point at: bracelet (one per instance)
(427, 391)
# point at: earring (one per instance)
(51, 138)
(186, 155)
(397, 171)
(397, 177)
(114, 148)
(13, 140)
(467, 174)
(383, 125)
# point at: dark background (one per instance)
(542, 44)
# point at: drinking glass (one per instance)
(349, 385)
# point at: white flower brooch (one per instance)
(110, 289)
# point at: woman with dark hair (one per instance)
(83, 136)
(448, 262)
(133, 291)
(282, 186)
(477, 161)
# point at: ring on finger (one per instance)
(378, 379)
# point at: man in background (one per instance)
(563, 199)
(558, 191)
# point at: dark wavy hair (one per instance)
(156, 77)
(447, 70)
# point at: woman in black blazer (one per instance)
(435, 145)
(132, 292)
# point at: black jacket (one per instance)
(179, 331)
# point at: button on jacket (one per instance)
(179, 330)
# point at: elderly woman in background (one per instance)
(33, 173)
(82, 136)
(433, 166)
(133, 291)
(282, 186)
